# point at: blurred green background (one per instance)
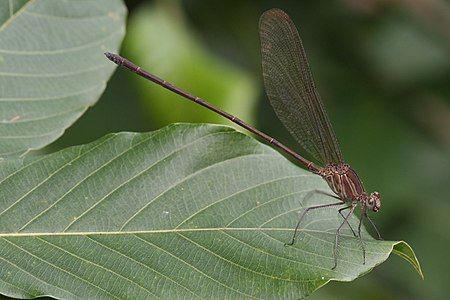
(383, 71)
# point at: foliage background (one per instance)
(382, 68)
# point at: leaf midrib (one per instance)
(172, 230)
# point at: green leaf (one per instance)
(161, 41)
(183, 212)
(52, 66)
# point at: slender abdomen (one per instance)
(343, 180)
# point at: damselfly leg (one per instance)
(363, 246)
(303, 215)
(373, 225)
(336, 239)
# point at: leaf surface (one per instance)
(190, 211)
(52, 66)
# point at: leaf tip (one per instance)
(405, 251)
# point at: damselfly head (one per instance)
(374, 201)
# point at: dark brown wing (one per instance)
(291, 89)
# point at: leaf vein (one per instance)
(142, 264)
(57, 97)
(56, 267)
(185, 179)
(32, 275)
(64, 50)
(133, 177)
(193, 267)
(50, 175)
(55, 75)
(98, 266)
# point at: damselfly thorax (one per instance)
(344, 181)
